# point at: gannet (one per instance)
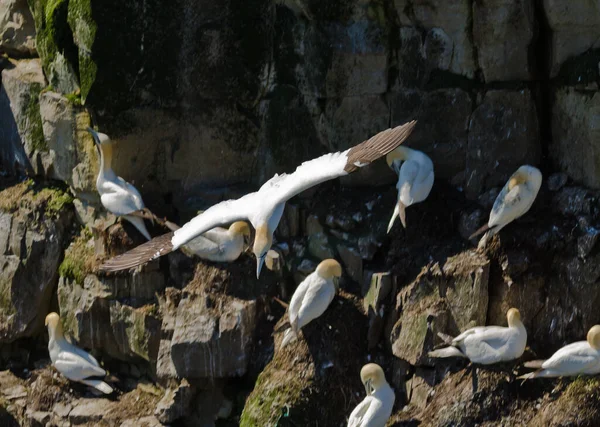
(312, 297)
(264, 208)
(489, 344)
(220, 244)
(415, 179)
(376, 407)
(73, 362)
(117, 195)
(514, 200)
(578, 358)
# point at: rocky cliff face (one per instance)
(206, 101)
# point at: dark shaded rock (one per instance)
(573, 201)
(470, 223)
(586, 243)
(175, 403)
(556, 181)
(17, 29)
(377, 299)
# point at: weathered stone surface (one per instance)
(503, 135)
(576, 135)
(90, 410)
(575, 29)
(17, 29)
(175, 403)
(36, 225)
(503, 31)
(23, 140)
(449, 299)
(419, 388)
(376, 302)
(352, 261)
(441, 132)
(573, 201)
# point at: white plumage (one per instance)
(415, 179)
(71, 361)
(579, 358)
(117, 195)
(219, 244)
(376, 407)
(311, 298)
(515, 199)
(489, 344)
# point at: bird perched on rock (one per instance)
(71, 361)
(219, 244)
(117, 195)
(415, 179)
(376, 407)
(514, 200)
(312, 297)
(264, 208)
(578, 358)
(488, 344)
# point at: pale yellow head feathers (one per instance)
(53, 324)
(262, 243)
(372, 377)
(397, 154)
(240, 227)
(100, 138)
(329, 268)
(593, 337)
(513, 316)
(516, 179)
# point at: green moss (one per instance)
(50, 16)
(84, 33)
(74, 98)
(56, 200)
(79, 258)
(33, 120)
(11, 197)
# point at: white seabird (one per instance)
(71, 361)
(488, 344)
(415, 179)
(376, 407)
(312, 297)
(264, 208)
(117, 195)
(220, 244)
(514, 200)
(578, 358)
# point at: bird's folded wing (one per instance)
(579, 357)
(296, 301)
(75, 367)
(458, 339)
(316, 300)
(356, 417)
(118, 200)
(202, 246)
(329, 166)
(506, 206)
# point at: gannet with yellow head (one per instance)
(71, 361)
(312, 297)
(415, 179)
(264, 208)
(220, 244)
(514, 200)
(376, 407)
(117, 195)
(578, 358)
(489, 344)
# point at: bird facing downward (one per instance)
(489, 344)
(515, 199)
(415, 179)
(264, 208)
(71, 361)
(220, 244)
(376, 407)
(117, 195)
(312, 297)
(578, 358)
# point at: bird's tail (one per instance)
(534, 364)
(288, 337)
(399, 210)
(142, 254)
(446, 338)
(478, 232)
(446, 352)
(139, 224)
(99, 385)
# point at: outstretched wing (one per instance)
(283, 187)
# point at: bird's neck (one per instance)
(106, 154)
(56, 334)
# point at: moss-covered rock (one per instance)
(79, 258)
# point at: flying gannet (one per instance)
(220, 244)
(415, 179)
(514, 200)
(264, 208)
(376, 407)
(312, 297)
(488, 344)
(578, 358)
(71, 361)
(117, 195)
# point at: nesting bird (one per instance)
(220, 244)
(264, 208)
(71, 361)
(514, 200)
(578, 358)
(376, 407)
(117, 195)
(488, 344)
(312, 297)
(415, 179)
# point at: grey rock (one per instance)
(471, 222)
(90, 411)
(586, 243)
(37, 418)
(487, 199)
(420, 387)
(15, 392)
(175, 403)
(352, 262)
(515, 262)
(573, 201)
(62, 409)
(380, 287)
(319, 246)
(556, 181)
(313, 226)
(368, 246)
(17, 28)
(149, 421)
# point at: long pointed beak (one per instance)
(259, 264)
(368, 387)
(393, 219)
(94, 136)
